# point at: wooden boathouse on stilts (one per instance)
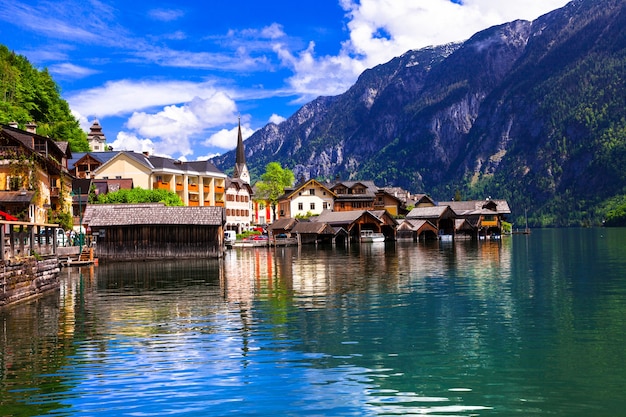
(155, 231)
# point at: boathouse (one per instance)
(155, 231)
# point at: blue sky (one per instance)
(172, 78)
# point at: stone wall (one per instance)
(26, 279)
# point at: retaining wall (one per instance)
(26, 279)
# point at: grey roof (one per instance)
(313, 228)
(427, 212)
(152, 162)
(102, 157)
(502, 206)
(284, 223)
(16, 196)
(101, 215)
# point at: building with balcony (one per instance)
(34, 175)
(197, 183)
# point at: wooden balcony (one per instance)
(219, 188)
(160, 185)
(55, 192)
(194, 203)
(219, 204)
(207, 188)
(192, 188)
(179, 187)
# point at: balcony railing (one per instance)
(192, 188)
(219, 188)
(160, 185)
(179, 187)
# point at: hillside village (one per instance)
(43, 177)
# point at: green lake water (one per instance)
(532, 325)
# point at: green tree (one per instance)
(27, 94)
(273, 183)
(139, 195)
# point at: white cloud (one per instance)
(165, 15)
(276, 119)
(130, 142)
(70, 70)
(383, 29)
(121, 97)
(227, 138)
(174, 125)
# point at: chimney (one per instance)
(13, 124)
(146, 153)
(31, 127)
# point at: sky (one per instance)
(174, 78)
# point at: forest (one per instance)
(28, 94)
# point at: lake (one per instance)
(532, 325)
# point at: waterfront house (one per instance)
(485, 216)
(354, 221)
(415, 230)
(34, 176)
(315, 232)
(442, 217)
(282, 226)
(155, 231)
(308, 198)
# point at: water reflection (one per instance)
(471, 328)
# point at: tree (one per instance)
(139, 195)
(273, 183)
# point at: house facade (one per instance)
(309, 198)
(238, 205)
(34, 175)
(197, 183)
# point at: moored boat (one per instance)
(371, 236)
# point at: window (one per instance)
(300, 206)
(312, 206)
(325, 205)
(312, 191)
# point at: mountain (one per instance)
(533, 112)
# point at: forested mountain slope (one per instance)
(28, 94)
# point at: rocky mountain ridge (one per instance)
(532, 112)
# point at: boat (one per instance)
(371, 236)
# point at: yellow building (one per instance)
(34, 176)
(197, 183)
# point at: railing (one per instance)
(179, 187)
(194, 203)
(207, 188)
(219, 188)
(55, 192)
(192, 187)
(219, 204)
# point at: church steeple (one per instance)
(241, 169)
